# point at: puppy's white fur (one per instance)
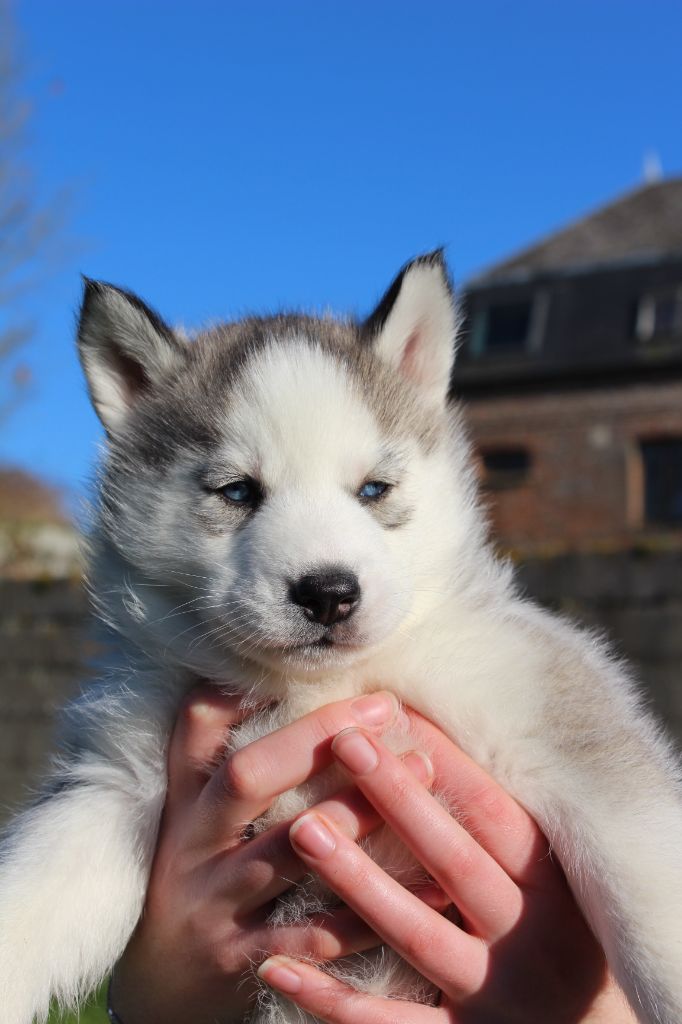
(194, 588)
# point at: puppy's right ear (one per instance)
(414, 326)
(125, 349)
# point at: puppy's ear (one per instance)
(125, 349)
(414, 326)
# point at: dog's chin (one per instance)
(307, 651)
(312, 657)
(323, 654)
(310, 653)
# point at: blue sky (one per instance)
(233, 156)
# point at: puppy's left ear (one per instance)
(414, 326)
(126, 350)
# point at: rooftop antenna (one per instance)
(652, 168)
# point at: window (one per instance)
(505, 467)
(508, 326)
(662, 463)
(659, 315)
(504, 328)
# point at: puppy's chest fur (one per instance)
(380, 970)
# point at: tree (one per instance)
(29, 231)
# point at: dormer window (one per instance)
(505, 328)
(659, 315)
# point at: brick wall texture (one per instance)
(636, 598)
(585, 484)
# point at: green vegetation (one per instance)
(92, 1013)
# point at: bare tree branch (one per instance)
(29, 231)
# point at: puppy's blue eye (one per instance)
(373, 489)
(241, 492)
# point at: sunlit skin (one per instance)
(523, 952)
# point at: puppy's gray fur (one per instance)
(196, 586)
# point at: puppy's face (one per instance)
(275, 489)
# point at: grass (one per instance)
(92, 1013)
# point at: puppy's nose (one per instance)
(327, 597)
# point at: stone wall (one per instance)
(637, 598)
(43, 648)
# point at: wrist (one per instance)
(129, 1003)
(610, 1006)
(112, 1016)
(141, 991)
(132, 1001)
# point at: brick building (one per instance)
(571, 368)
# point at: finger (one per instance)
(252, 777)
(334, 934)
(328, 999)
(267, 865)
(321, 937)
(451, 959)
(502, 827)
(198, 739)
(489, 901)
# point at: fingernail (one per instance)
(376, 709)
(419, 764)
(200, 709)
(277, 972)
(312, 836)
(355, 751)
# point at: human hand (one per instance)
(205, 919)
(523, 952)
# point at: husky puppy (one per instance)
(256, 477)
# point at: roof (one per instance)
(644, 225)
(25, 498)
